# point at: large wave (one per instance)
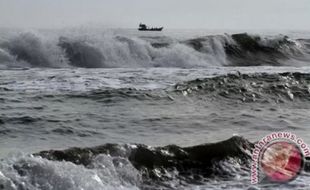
(33, 49)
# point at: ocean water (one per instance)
(106, 109)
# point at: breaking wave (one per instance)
(33, 49)
(30, 50)
(129, 166)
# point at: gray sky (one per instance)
(212, 14)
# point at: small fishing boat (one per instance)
(143, 27)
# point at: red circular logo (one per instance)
(281, 161)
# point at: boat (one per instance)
(143, 27)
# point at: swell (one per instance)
(114, 51)
(110, 95)
(258, 87)
(233, 87)
(238, 87)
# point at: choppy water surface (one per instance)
(46, 109)
(189, 126)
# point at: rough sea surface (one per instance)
(90, 109)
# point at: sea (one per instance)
(95, 109)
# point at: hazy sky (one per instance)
(212, 14)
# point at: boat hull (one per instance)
(151, 29)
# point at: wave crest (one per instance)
(154, 162)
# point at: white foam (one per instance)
(35, 173)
